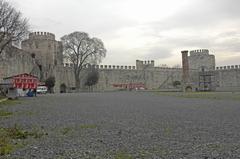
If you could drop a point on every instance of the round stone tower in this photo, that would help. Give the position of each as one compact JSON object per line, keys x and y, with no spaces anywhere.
{"x":201,"y":60}
{"x":46,"y":50}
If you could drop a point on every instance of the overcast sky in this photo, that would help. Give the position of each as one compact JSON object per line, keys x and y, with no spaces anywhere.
{"x":144,"y":29}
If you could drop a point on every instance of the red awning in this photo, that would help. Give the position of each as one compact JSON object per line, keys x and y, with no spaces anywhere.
{"x":23,"y":81}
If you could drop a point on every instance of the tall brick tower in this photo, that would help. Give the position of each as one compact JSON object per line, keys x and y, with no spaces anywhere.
{"x":185,"y":67}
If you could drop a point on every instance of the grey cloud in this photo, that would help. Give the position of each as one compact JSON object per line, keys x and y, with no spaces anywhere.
{"x":219,"y":43}
{"x":230,"y":61}
{"x":227,"y":34}
{"x":158,"y":53}
{"x":202,"y":14}
{"x":227,"y":41}
{"x":198,"y":42}
{"x":228,"y":45}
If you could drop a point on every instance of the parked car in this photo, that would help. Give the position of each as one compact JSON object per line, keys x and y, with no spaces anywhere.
{"x":42,"y":89}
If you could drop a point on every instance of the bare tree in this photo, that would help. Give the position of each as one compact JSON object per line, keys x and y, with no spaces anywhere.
{"x":13,"y":27}
{"x":82,"y":50}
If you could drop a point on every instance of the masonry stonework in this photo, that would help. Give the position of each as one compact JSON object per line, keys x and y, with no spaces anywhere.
{"x":42,"y":56}
{"x":47,"y":51}
{"x":201,"y":60}
{"x":14,"y":61}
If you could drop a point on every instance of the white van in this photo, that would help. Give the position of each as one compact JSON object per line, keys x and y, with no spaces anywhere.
{"x":41,"y":89}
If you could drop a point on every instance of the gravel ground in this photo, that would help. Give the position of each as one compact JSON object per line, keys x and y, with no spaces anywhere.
{"x":126,"y":125}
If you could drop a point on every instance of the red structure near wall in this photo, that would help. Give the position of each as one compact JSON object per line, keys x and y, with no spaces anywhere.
{"x":130,"y":86}
{"x":22,"y":81}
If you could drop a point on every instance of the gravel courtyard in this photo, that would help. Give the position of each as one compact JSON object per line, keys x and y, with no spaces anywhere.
{"x":125,"y":125}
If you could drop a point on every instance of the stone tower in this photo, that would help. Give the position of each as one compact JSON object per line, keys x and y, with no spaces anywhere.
{"x":201,"y":60}
{"x":47,"y":51}
{"x":185,"y":66}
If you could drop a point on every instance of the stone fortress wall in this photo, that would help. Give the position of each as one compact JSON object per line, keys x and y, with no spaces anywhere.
{"x":48,"y":55}
{"x":15,"y":61}
{"x":144,"y":72}
{"x":228,"y":78}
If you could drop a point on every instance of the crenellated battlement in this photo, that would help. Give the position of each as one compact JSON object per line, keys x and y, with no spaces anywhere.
{"x":121,"y":67}
{"x":144,"y":64}
{"x":42,"y":36}
{"x":228,"y":67}
{"x":199,"y":52}
{"x":114,"y":67}
{"x":167,"y":68}
{"x":107,"y":67}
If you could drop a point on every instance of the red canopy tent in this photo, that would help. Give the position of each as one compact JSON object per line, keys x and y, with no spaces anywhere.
{"x":22,"y":81}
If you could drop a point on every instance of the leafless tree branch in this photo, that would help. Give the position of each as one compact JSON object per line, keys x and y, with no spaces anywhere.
{"x":13,"y":27}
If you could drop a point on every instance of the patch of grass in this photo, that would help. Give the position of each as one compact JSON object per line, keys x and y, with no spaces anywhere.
{"x":168,"y":131}
{"x":16,"y":132}
{"x":66,"y":130}
{"x":5,"y":146}
{"x":37,"y":133}
{"x":123,"y":155}
{"x":11,"y":138}
{"x":10,"y":102}
{"x":2,"y":97}
{"x":88,"y":126}
{"x":5,"y":113}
